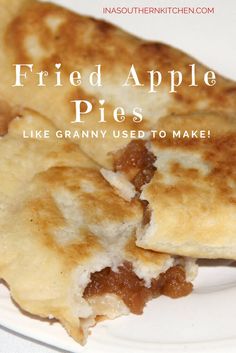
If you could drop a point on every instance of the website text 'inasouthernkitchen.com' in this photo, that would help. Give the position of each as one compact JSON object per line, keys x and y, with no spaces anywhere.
{"x":169,"y":10}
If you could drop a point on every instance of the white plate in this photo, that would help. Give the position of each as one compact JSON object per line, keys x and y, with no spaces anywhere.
{"x":203,"y":321}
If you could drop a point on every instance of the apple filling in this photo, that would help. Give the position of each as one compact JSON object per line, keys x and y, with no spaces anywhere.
{"x":136,"y":162}
{"x":132,"y":290}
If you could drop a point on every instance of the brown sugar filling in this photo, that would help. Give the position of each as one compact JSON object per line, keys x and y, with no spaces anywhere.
{"x":136,"y":162}
{"x":132,"y":290}
{"x":146,"y":213}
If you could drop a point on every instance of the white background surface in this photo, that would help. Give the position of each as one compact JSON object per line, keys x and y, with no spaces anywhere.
{"x":209,"y":38}
{"x":13,"y":343}
{"x":212,"y":40}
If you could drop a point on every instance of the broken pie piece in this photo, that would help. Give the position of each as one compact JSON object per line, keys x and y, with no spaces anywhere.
{"x":67,"y":239}
{"x":192,"y":196}
{"x":66,"y":255}
{"x":190,"y":202}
